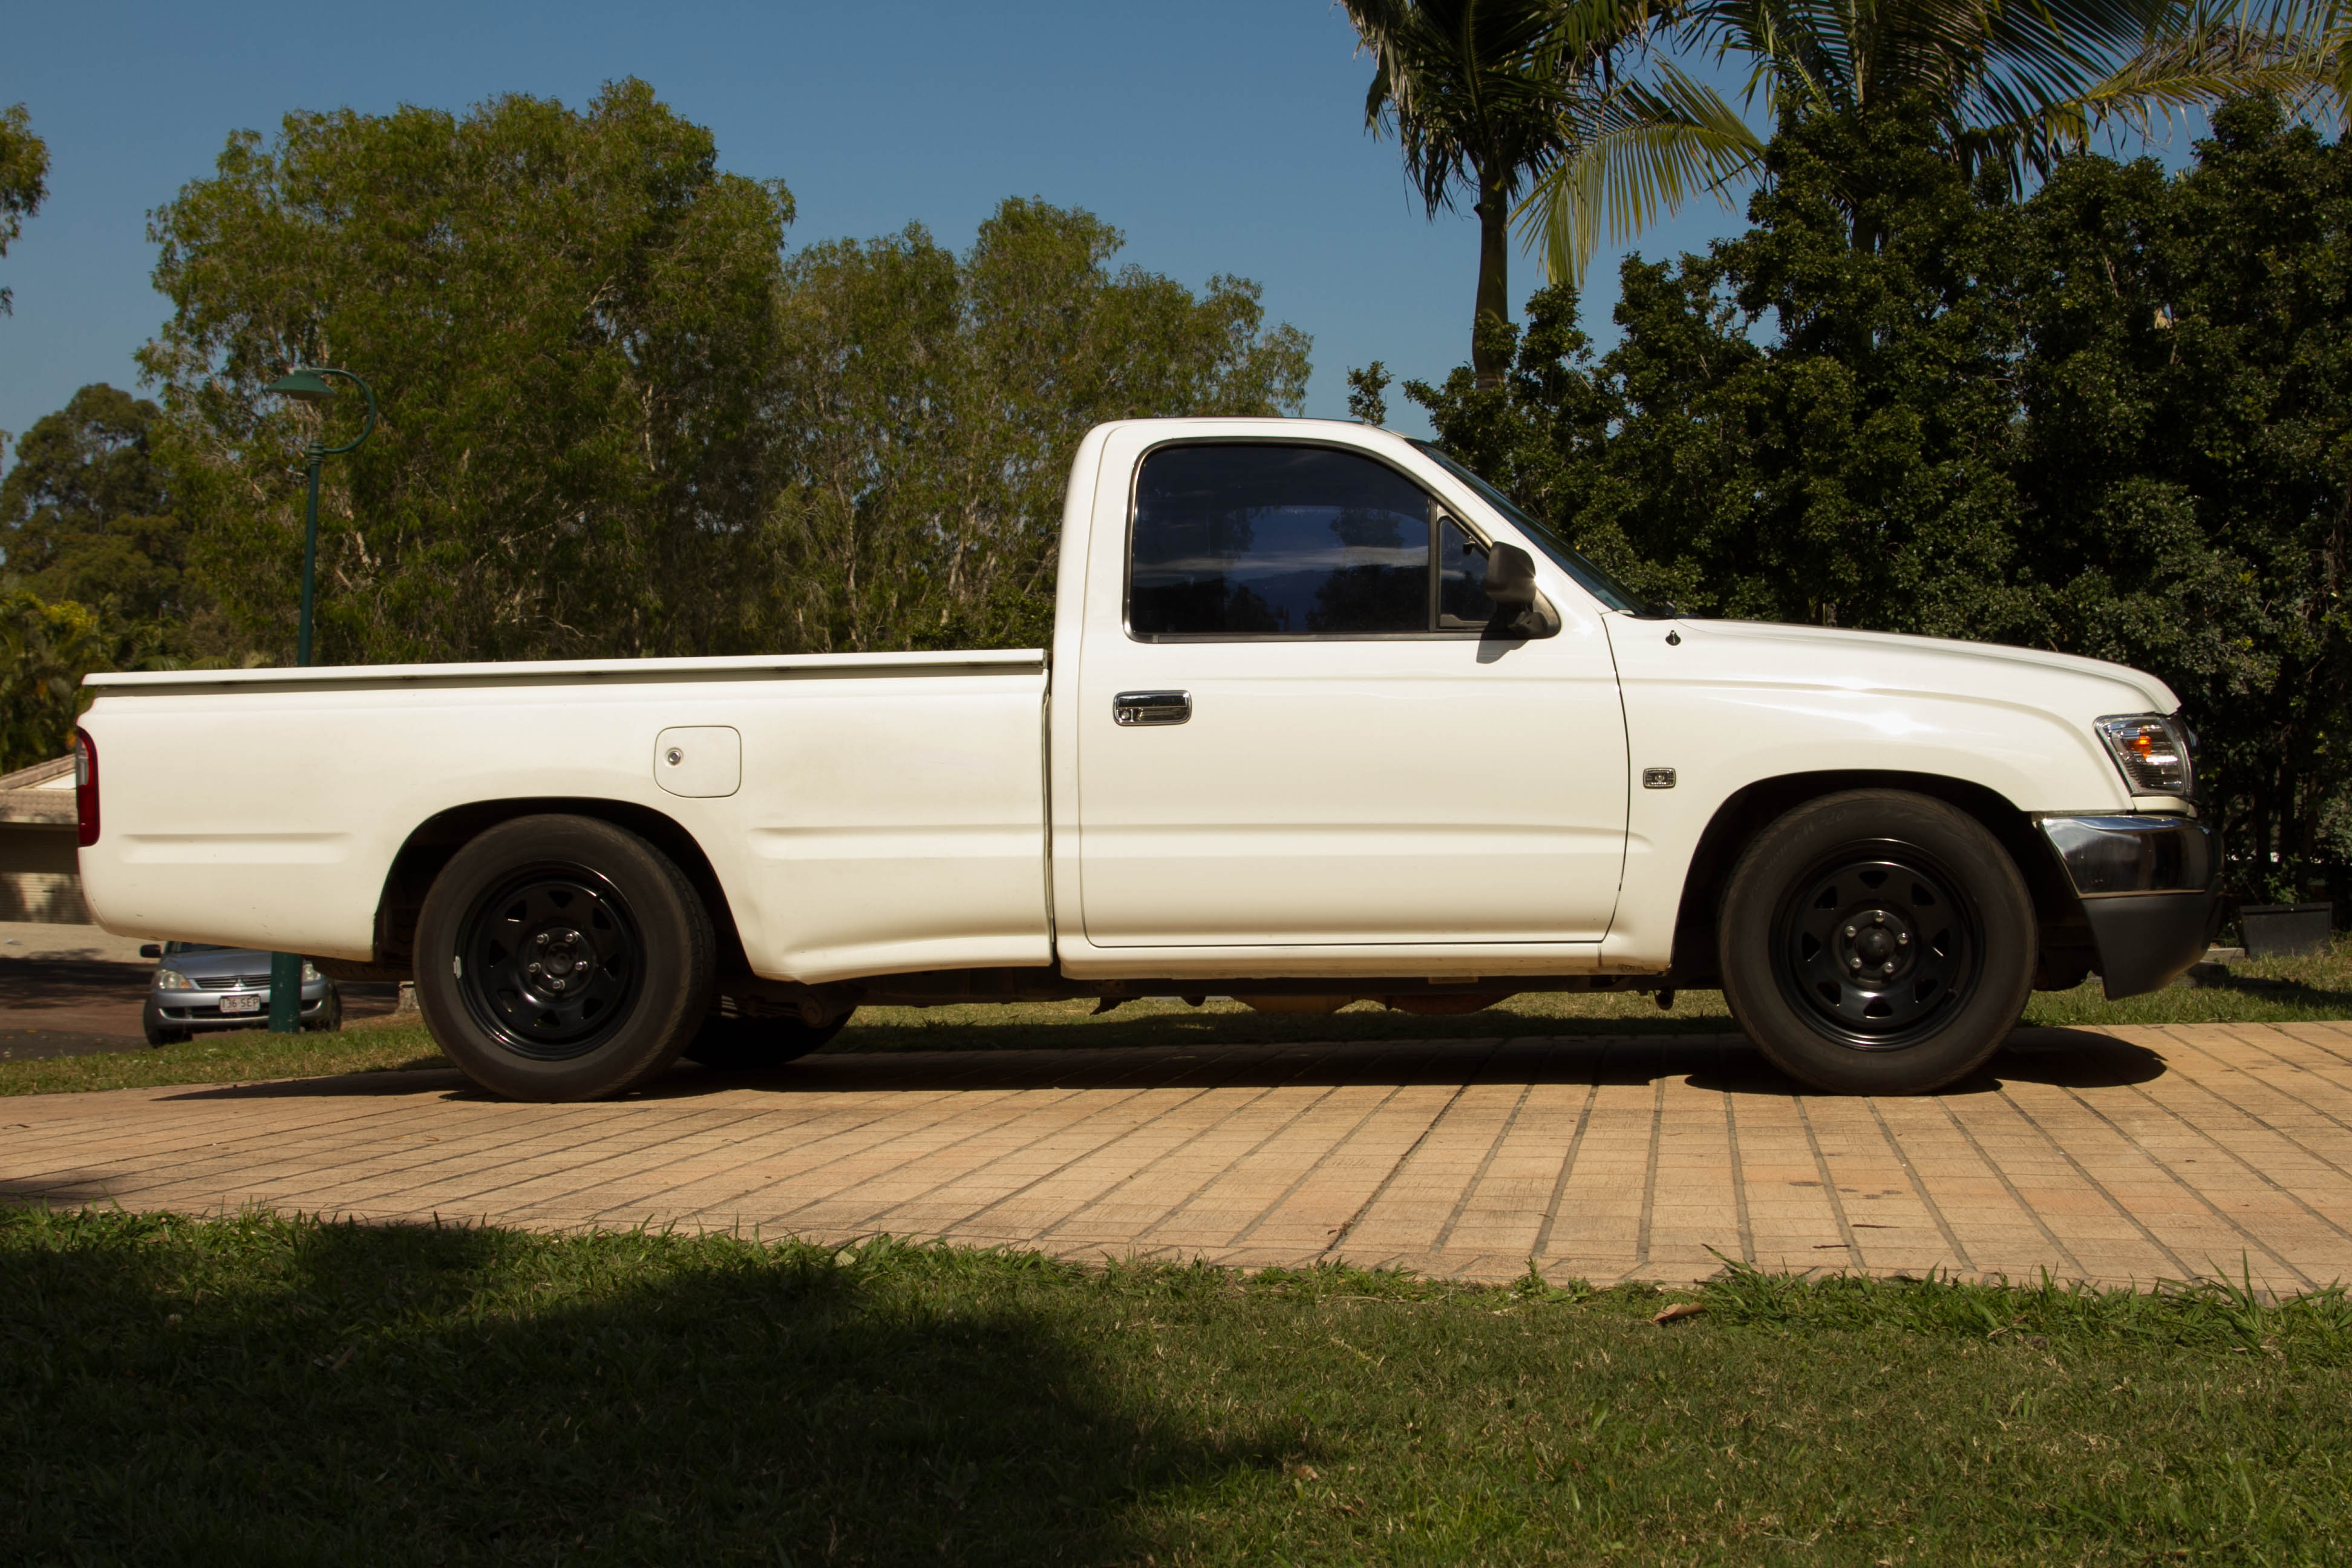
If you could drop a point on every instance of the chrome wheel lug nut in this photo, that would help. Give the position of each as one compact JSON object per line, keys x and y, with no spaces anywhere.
{"x":1903,"y":938}
{"x":1849,"y":931}
{"x":1854,"y":963}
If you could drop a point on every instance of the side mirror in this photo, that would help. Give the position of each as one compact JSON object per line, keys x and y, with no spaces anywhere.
{"x":151,"y":950}
{"x":1510,"y":577}
{"x":1520,"y":612}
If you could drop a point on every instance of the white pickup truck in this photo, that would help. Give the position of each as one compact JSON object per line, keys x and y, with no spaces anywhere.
{"x":1325,"y":718}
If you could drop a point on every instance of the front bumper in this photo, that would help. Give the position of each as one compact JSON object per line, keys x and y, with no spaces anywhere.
{"x":2150,"y":890}
{"x":210,"y":1009}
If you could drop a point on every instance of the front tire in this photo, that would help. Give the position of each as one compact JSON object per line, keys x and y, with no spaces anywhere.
{"x":1876,"y":943}
{"x":330,"y":1018}
{"x":561,"y":958}
{"x":159,"y":1033}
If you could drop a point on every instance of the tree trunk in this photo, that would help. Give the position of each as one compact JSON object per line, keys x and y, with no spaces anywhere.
{"x":1489,"y":355}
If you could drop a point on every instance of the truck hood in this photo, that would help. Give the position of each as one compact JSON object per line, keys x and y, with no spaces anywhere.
{"x":1830,"y":656}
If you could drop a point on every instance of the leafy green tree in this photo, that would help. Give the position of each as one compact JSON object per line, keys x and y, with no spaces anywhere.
{"x":2006,"y":87}
{"x":2188,"y":467}
{"x":2113,"y":420}
{"x":45,"y":650}
{"x":24,"y":181}
{"x":1793,"y":427}
{"x":928,"y":407}
{"x":570,"y":319}
{"x":89,"y":515}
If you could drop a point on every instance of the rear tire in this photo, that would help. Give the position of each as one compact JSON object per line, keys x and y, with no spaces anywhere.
{"x":560,"y":957}
{"x":1876,"y":943}
{"x":754,"y":1045}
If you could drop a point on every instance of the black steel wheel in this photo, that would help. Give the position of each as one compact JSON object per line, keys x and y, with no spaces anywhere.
{"x":1876,"y":945}
{"x":562,"y":957}
{"x":1877,"y":941}
{"x":548,"y":962}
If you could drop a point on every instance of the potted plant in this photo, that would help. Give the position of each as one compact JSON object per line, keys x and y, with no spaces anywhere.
{"x":2283,"y":927}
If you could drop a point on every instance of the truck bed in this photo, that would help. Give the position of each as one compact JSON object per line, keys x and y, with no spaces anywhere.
{"x":269,"y":807}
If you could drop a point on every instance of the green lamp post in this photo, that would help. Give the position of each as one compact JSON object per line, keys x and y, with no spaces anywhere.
{"x":309,"y":384}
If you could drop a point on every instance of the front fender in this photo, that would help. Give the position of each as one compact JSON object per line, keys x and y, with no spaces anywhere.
{"x":1726,"y":711}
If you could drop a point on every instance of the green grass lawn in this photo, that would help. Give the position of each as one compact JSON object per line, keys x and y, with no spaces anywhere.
{"x":262,"y":1391}
{"x":2275,"y":991}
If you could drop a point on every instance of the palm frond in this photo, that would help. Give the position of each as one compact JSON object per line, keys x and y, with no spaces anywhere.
{"x":1650,"y":147}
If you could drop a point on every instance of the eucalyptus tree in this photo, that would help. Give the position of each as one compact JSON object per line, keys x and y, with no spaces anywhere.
{"x":569,"y":319}
{"x":24,"y":179}
{"x":2003,"y":85}
{"x":927,"y":406}
{"x":1484,"y":95}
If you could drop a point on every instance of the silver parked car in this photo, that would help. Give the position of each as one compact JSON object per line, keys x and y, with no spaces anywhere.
{"x":200,"y":988}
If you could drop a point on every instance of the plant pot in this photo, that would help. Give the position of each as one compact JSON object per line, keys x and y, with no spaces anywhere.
{"x":2285,"y":931}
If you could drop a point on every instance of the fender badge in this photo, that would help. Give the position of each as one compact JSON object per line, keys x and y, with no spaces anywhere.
{"x":1657,"y":778}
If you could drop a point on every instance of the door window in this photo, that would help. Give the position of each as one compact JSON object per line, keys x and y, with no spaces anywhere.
{"x":1267,"y":540}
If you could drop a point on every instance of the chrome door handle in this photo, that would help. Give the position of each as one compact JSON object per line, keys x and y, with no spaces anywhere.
{"x":1152,"y":708}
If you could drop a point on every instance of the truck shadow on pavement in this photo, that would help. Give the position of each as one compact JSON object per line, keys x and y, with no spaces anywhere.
{"x":2069,"y":1058}
{"x":297,"y":1392}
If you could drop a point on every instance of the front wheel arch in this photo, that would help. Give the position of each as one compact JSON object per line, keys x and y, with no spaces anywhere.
{"x":1750,"y":809}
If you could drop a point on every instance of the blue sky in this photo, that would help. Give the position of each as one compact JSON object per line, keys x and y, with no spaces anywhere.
{"x":1220,"y":137}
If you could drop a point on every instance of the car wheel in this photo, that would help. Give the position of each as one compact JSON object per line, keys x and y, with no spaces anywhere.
{"x":1876,"y":943}
{"x":159,"y":1033}
{"x":562,"y":958}
{"x":330,"y":1017}
{"x":749,"y":1045}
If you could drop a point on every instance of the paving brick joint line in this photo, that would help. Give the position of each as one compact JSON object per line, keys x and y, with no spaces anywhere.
{"x":2116,"y":1156}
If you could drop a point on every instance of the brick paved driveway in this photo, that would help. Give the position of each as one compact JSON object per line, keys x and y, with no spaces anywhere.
{"x":2122,"y":1155}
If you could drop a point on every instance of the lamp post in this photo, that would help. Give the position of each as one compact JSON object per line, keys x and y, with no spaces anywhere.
{"x":307,"y":384}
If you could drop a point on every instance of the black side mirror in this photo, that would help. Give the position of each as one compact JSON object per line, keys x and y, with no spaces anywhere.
{"x":1510,"y":577}
{"x":151,"y":950}
{"x":1519,"y":611}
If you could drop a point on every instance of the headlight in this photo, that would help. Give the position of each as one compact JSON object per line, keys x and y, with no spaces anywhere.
{"x":172,"y":980}
{"x":2152,"y":749}
{"x":310,"y":972}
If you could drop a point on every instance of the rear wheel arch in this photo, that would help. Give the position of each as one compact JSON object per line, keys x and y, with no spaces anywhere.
{"x":434,"y":841}
{"x":1750,"y":809}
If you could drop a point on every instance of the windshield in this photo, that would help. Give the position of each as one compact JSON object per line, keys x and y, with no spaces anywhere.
{"x":1596,"y":582}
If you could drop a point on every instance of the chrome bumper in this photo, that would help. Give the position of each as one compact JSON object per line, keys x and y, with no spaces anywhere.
{"x":2150,"y":890}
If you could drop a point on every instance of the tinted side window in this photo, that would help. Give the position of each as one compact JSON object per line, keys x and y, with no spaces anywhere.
{"x":1257,"y":541}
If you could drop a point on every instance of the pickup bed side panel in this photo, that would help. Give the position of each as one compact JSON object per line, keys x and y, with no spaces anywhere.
{"x":886,"y":820}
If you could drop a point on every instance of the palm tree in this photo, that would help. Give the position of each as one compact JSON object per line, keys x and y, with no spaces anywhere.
{"x":1482,"y":95}
{"x":2011,"y":82}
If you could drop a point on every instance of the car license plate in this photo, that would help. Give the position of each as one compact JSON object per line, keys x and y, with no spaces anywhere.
{"x":243,"y":1002}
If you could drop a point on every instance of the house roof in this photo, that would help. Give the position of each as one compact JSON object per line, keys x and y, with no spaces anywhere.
{"x":54,"y":774}
{"x":40,"y":796}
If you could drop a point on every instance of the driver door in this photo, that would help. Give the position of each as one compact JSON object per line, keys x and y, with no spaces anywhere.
{"x":1295,"y":731}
